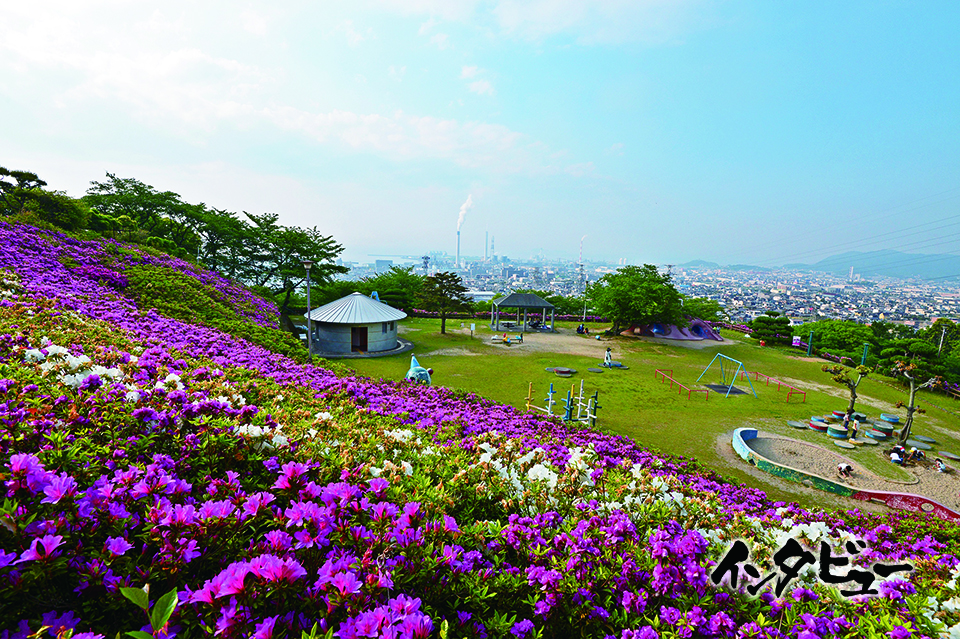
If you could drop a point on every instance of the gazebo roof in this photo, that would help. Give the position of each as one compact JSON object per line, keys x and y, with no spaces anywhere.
{"x":522,"y":300}
{"x":356,"y":308}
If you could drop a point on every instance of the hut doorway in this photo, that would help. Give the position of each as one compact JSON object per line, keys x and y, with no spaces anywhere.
{"x":358,"y":338}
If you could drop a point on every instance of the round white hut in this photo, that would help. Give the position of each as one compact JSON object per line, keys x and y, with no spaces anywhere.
{"x":354,"y":324}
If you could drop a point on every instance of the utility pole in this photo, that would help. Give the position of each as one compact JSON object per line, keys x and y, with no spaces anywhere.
{"x":306,"y":266}
{"x":942,"y":335}
{"x":583,"y":280}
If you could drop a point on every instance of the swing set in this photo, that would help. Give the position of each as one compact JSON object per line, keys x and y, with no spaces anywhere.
{"x":723,"y":372}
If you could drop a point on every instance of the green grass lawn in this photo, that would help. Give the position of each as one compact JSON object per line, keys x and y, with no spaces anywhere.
{"x":636,"y":404}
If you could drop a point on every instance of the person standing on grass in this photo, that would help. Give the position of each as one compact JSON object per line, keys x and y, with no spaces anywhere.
{"x":608,"y":358}
{"x":854,"y":429}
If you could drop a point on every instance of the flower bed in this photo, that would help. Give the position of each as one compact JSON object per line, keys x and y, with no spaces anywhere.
{"x":274,"y":498}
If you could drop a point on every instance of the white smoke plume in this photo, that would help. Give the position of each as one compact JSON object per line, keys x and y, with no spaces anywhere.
{"x":463,"y":211}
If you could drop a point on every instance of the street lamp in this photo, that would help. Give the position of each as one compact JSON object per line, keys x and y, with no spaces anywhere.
{"x":306,"y":265}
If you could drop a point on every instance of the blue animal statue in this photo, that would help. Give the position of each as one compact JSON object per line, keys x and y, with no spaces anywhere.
{"x":418,"y":373}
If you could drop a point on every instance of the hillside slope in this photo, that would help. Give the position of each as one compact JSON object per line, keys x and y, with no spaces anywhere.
{"x":276,"y":498}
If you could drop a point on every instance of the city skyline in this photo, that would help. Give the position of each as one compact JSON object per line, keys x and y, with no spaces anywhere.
{"x":734,"y":132}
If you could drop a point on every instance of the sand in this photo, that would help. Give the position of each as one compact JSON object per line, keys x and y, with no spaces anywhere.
{"x":943,"y":488}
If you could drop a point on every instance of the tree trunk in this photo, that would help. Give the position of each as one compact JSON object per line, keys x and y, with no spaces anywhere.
{"x":853,"y":399}
{"x":443,"y":322}
{"x":284,"y":308}
{"x":911,"y":409}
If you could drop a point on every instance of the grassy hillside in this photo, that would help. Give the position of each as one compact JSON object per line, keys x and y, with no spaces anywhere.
{"x":152,"y":462}
{"x":638,"y":404}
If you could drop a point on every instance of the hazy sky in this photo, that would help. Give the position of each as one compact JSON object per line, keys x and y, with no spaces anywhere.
{"x":739,"y":132}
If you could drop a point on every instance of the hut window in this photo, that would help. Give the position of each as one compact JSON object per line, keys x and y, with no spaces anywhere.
{"x":385,"y":327}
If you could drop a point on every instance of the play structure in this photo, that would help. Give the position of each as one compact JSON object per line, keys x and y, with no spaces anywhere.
{"x":726,"y":364}
{"x":418,"y":373}
{"x":696,"y":330}
{"x":780,"y":385}
{"x":578,"y":407}
{"x":666,"y":374}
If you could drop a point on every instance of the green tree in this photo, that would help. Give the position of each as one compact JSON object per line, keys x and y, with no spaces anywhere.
{"x":636,"y":295}
{"x":55,"y":207}
{"x":841,"y":375}
{"x":839,"y":337}
{"x":276,"y":260}
{"x":772,"y":328}
{"x":917,"y":378}
{"x":703,"y":308}
{"x":444,"y":293}
{"x":399,"y":287}
{"x":15,"y":187}
{"x":563,"y":304}
{"x":160,"y":219}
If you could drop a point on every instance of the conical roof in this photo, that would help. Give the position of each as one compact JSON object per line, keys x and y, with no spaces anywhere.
{"x":356,"y":308}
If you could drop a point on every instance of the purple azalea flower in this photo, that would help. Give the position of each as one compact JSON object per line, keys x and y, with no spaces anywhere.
{"x":60,"y":486}
{"x":117,"y":546}
{"x":522,"y":628}
{"x":49,"y":542}
{"x":264,"y":629}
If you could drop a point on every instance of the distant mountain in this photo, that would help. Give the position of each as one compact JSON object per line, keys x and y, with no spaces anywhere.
{"x":890,"y":263}
{"x":745,"y":267}
{"x":699,"y":264}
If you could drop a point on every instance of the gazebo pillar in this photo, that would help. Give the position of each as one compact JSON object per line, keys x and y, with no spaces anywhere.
{"x":524,"y":325}
{"x":552,"y":315}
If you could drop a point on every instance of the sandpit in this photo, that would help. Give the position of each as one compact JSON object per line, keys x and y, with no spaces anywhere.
{"x":819,"y":460}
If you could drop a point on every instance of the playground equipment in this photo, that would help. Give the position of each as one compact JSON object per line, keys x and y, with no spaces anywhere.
{"x":781,"y":385}
{"x":577,"y":407}
{"x":667,"y":374}
{"x":723,"y":372}
{"x":418,"y":373}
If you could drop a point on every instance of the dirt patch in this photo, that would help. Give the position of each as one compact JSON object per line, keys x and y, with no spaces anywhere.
{"x":692,"y":344}
{"x":450,"y":351}
{"x":561,"y":342}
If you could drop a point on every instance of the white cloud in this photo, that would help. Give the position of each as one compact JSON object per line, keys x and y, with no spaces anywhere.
{"x":253,"y":22}
{"x":615,"y":149}
{"x":426,"y":26}
{"x":588,"y":21}
{"x":481,"y":87}
{"x":354,"y":37}
{"x":441,"y":40}
{"x":397,"y":73}
{"x":478,"y":86}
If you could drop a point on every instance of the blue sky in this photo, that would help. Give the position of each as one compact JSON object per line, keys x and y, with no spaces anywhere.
{"x":664,"y":131}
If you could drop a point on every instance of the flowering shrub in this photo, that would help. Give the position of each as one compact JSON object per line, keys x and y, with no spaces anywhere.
{"x":139,"y":451}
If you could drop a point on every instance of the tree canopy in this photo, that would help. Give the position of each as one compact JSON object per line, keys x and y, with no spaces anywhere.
{"x":839,"y":337}
{"x":772,"y":328}
{"x":444,"y":293}
{"x":636,"y":295}
{"x":703,"y":308}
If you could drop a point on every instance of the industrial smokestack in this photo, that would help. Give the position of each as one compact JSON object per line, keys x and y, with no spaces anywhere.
{"x":463,"y":213}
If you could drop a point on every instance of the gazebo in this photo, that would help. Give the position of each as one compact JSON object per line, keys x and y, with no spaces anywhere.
{"x":354,"y":324}
{"x":521,"y":302}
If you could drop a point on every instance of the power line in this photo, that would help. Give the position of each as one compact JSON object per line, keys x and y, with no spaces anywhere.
{"x":836,"y":229}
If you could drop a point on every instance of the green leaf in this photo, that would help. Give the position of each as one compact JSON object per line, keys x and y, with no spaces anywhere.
{"x":163,"y":609}
{"x":137,"y":596}
{"x":140,"y":634}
